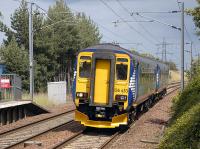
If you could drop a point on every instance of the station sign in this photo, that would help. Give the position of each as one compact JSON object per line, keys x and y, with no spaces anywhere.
{"x":5,"y":83}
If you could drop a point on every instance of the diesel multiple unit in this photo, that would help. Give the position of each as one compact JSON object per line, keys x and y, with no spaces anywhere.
{"x":111,"y":85}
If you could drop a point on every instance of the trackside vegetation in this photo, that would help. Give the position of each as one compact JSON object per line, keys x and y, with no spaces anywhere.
{"x":184,"y":128}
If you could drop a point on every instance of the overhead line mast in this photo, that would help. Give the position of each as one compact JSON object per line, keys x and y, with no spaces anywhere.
{"x":31,"y":63}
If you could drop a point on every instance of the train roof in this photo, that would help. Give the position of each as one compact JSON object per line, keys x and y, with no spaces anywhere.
{"x":117,"y":49}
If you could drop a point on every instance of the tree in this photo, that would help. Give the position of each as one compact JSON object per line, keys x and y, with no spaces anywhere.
{"x":56,"y":40}
{"x":149,"y":56}
{"x":196,"y":16}
{"x":16,"y":60}
{"x":172,"y":65}
{"x":88,"y":31}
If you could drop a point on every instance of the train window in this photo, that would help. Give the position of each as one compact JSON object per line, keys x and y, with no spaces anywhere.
{"x":122,"y":60}
{"x":84,"y":69}
{"x":121,"y":71}
{"x":85,"y":57}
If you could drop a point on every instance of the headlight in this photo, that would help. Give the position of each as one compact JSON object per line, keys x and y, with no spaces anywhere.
{"x":120,"y":97}
{"x":81,"y":95}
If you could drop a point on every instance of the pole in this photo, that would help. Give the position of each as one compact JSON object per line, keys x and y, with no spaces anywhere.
{"x":165,"y":52}
{"x":31,"y":52}
{"x":191,"y":58}
{"x":163,"y":49}
{"x":182,"y":46}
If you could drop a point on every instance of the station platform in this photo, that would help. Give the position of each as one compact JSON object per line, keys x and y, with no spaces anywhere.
{"x":12,"y":111}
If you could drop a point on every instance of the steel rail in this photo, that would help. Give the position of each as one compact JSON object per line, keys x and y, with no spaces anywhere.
{"x":23,"y":130}
{"x":35,"y":122}
{"x":105,"y":144}
{"x":117,"y":133}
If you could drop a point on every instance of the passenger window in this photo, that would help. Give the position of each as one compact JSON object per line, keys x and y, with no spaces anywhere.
{"x":122,"y":60}
{"x":84,"y":69}
{"x":85,"y":57}
{"x":121,"y":71}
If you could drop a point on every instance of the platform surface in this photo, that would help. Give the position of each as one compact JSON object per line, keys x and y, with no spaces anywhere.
{"x":13,"y":103}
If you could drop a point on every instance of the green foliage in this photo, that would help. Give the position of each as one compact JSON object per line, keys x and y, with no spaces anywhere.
{"x":89,"y":33}
{"x":185,"y":133}
{"x":172,"y":65}
{"x":149,"y":56}
{"x":196,"y":16}
{"x":16,"y":60}
{"x":56,"y":40}
{"x":184,"y":130}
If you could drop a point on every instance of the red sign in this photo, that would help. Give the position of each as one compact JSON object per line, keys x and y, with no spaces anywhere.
{"x":5,"y":83}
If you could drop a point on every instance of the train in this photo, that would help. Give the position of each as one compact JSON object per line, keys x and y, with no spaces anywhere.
{"x":112,"y":85}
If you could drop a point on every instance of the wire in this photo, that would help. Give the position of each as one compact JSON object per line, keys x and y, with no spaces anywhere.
{"x":150,"y":34}
{"x":130,"y":43}
{"x":131,"y":27}
{"x":46,"y":13}
{"x":159,"y":11}
{"x":108,"y":30}
{"x":155,"y":20}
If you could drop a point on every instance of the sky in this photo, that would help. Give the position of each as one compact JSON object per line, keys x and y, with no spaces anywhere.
{"x":144,"y":36}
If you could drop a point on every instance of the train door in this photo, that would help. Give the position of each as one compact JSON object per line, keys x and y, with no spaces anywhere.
{"x":102,"y":82}
{"x":102,"y":79}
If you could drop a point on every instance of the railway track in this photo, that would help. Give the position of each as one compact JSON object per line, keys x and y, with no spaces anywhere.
{"x":98,"y":139}
{"x":89,"y":138}
{"x":16,"y":136}
{"x":21,"y":134}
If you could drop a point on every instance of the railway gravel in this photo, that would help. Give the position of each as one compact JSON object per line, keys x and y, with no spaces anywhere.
{"x":55,"y":136}
{"x":53,"y":111}
{"x":33,"y":130}
{"x":148,"y":129}
{"x":90,"y":139}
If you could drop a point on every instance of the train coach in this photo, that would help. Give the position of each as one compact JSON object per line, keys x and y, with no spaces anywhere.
{"x":112,"y":85}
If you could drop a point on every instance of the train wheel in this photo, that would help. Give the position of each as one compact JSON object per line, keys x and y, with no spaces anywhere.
{"x":147,"y":105}
{"x":132,"y":115}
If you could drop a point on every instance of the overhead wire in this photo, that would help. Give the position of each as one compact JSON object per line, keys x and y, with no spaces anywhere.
{"x":105,"y":28}
{"x":150,"y":34}
{"x":122,"y":19}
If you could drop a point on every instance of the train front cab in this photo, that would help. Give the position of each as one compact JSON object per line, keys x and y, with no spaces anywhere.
{"x":102,"y":89}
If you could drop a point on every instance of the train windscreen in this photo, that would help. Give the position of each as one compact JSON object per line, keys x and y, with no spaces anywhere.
{"x":121,"y":71}
{"x":85,"y":67}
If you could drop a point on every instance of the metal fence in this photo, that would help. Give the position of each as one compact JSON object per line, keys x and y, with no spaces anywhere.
{"x":10,"y":87}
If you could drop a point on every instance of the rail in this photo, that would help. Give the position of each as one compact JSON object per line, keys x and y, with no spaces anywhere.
{"x":18,"y":135}
{"x":77,"y":140}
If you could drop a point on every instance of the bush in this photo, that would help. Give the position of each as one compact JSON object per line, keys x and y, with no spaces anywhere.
{"x":184,"y":128}
{"x":189,"y":97}
{"x":185,"y":132}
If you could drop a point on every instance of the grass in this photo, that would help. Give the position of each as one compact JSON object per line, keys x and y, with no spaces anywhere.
{"x":175,"y":76}
{"x":40,"y":99}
